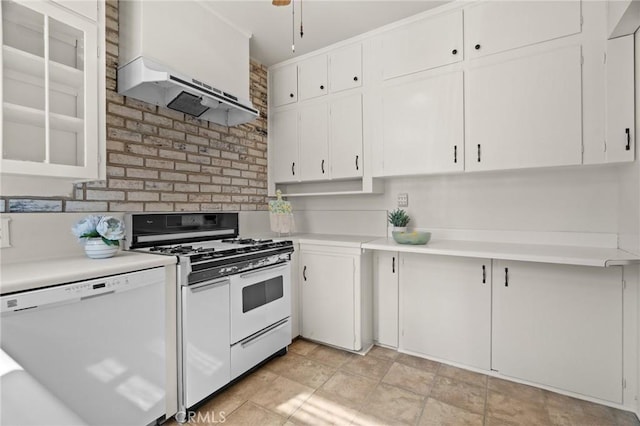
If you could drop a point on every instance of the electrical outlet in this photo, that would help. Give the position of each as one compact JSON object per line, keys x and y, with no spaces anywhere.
{"x":403,"y":200}
{"x":5,"y":240}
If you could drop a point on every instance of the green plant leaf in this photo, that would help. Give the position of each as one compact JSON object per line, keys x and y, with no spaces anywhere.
{"x":110,"y":242}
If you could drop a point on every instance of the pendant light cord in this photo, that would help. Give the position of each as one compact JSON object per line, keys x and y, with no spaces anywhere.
{"x":293,"y":26}
{"x":301,"y":30}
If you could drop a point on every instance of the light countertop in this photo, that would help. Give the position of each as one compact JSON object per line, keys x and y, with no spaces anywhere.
{"x":20,"y":276}
{"x":567,"y":255}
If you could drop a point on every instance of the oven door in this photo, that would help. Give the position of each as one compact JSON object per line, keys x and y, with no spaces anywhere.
{"x":259,"y":298}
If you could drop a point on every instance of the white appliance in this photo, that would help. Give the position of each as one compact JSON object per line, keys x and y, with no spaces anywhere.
{"x":182,"y":55}
{"x":234,"y":296}
{"x":98,"y":346}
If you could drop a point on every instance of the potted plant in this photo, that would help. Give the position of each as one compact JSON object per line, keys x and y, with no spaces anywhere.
{"x":101,"y":235}
{"x":399,"y":219}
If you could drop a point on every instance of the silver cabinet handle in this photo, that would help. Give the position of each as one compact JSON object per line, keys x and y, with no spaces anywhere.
{"x":208,"y":285}
{"x":304,"y":272}
{"x":484,"y":274}
{"x":258,"y":271}
{"x":265,"y":333}
{"x":506,"y":277}
{"x":393,"y":265}
{"x":357,"y":167}
{"x":322,"y":166}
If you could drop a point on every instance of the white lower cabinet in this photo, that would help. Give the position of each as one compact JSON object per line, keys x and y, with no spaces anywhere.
{"x":560,"y":326}
{"x":445,"y":308}
{"x":335,"y":299}
{"x":385,"y":298}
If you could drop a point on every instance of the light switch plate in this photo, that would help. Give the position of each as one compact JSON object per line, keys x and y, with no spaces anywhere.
{"x":403,"y":200}
{"x":5,"y":240}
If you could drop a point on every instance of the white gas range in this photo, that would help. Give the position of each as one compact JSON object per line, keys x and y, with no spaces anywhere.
{"x":234,"y":296}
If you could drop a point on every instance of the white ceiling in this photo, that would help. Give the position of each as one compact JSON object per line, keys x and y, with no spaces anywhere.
{"x":325,"y":22}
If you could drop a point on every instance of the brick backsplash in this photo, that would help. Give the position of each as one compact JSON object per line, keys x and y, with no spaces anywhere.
{"x":162,"y":160}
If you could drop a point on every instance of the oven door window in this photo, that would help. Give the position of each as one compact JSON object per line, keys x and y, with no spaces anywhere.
{"x":262,"y":293}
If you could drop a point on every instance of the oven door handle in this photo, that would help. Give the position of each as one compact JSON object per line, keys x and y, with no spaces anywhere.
{"x":254,"y":339}
{"x":207,"y":285}
{"x":258,"y":271}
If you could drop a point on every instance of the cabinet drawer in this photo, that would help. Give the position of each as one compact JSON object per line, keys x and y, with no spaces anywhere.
{"x":422,"y":45}
{"x":492,"y":27}
{"x":255,"y":349}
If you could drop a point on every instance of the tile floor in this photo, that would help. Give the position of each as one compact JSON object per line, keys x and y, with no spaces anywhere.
{"x":318,"y":385}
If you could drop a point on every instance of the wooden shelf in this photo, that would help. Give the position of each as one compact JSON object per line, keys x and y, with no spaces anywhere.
{"x":33,"y":65}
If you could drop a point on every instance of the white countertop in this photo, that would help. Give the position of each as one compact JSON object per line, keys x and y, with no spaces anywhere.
{"x":567,"y":255}
{"x":20,"y":276}
{"x":333,"y":240}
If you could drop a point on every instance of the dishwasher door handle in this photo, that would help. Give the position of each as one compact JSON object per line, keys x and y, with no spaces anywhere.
{"x":255,"y":339}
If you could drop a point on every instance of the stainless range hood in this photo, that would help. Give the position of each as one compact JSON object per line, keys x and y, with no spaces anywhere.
{"x":154,"y":83}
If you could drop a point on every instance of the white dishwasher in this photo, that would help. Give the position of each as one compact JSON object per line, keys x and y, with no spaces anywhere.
{"x":97,"y":345}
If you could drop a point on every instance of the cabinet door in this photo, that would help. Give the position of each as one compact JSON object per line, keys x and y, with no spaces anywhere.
{"x":284,"y":85}
{"x":345,"y":118}
{"x":620,"y":100}
{"x":422,"y":45}
{"x":88,"y":8}
{"x":50,"y":98}
{"x":327,"y":290}
{"x":284,"y":143}
{"x":345,"y":67}
{"x":445,"y":308}
{"x":385,"y":298}
{"x":312,"y":74}
{"x":525,"y":112}
{"x":314,"y":142}
{"x":493,"y":27}
{"x":560,"y":326}
{"x":422,"y":126}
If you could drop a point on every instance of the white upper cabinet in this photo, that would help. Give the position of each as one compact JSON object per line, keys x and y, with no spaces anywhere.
{"x":51,"y":100}
{"x":345,"y":121}
{"x":283,"y":158}
{"x":87,"y":8}
{"x":422,"y":45}
{"x":345,"y":68}
{"x":620,"y":129}
{"x":312,"y":77}
{"x":525,"y":112}
{"x":284,"y":85}
{"x":422,"y":126}
{"x":497,"y":26}
{"x":314,"y":142}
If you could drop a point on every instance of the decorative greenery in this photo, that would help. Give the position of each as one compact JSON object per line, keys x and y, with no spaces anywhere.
{"x":399,"y":217}
{"x":109,"y":228}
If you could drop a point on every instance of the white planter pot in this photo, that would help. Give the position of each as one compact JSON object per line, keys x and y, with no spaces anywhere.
{"x":95,"y":248}
{"x":399,"y":229}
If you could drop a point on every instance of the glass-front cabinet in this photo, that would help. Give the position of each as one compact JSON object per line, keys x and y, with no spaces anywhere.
{"x":50,"y":91}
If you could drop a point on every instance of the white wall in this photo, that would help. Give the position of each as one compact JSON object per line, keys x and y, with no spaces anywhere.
{"x":578,"y":199}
